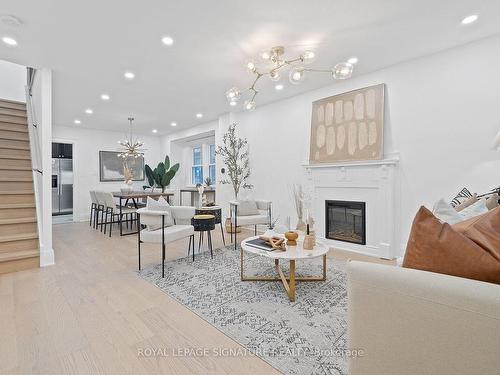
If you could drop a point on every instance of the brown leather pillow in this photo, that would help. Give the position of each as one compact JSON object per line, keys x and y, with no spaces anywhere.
{"x":438,"y":247}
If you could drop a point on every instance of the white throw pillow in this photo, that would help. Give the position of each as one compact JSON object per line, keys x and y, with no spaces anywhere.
{"x":446,"y":213}
{"x":154,"y":222}
{"x":247,"y":208}
{"x":476,"y":209}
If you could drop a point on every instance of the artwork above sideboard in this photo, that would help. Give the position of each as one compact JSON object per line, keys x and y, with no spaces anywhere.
{"x":348,"y":126}
{"x":111,"y":167}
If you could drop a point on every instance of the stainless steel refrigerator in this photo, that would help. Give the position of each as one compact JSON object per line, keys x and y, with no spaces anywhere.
{"x":62,"y":186}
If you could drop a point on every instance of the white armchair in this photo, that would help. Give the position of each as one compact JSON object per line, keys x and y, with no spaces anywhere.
{"x":182,"y":228}
{"x":261,"y":217}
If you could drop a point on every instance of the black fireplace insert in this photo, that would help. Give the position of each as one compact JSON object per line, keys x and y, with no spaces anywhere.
{"x":345,"y":221}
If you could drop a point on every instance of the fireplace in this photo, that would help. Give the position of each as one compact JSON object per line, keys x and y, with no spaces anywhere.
{"x":345,"y":221}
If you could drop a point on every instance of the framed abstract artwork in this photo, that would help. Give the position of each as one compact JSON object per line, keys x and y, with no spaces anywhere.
{"x":348,"y":126}
{"x":111,"y":167}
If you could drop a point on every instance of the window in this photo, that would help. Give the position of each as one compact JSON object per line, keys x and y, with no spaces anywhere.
{"x":203,"y":164}
{"x":197,"y":169}
{"x":211,"y":166}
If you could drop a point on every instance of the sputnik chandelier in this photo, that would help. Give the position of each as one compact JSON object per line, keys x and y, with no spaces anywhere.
{"x":132,"y":148}
{"x":296,"y":74}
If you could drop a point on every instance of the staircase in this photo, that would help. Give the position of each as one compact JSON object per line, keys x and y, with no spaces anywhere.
{"x":19,"y":246}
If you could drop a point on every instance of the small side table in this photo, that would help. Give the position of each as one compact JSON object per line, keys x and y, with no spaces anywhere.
{"x":217,"y":212}
{"x":202,"y":224}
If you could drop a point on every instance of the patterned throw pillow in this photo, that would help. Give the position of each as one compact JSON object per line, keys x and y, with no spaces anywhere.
{"x":154,"y":222}
{"x":462,"y":196}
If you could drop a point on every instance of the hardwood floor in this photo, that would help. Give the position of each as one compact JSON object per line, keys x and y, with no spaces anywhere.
{"x":91,"y":314}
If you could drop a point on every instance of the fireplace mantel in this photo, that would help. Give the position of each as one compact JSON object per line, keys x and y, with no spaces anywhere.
{"x":375,"y":182}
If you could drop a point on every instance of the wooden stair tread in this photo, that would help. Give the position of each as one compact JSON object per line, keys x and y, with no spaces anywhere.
{"x":8,"y":206}
{"x":13,"y":105}
{"x":20,"y":220}
{"x":16,"y":192}
{"x":15,"y":157}
{"x":16,"y":179}
{"x":19,"y":237}
{"x":13,"y":112}
{"x":19,"y":128}
{"x":13,"y":147}
{"x":15,"y":255}
{"x":14,"y":168}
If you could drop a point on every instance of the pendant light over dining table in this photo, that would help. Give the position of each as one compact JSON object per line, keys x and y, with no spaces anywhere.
{"x":131,"y":148}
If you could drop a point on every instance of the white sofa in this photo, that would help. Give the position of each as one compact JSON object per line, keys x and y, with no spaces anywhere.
{"x":415,"y":322}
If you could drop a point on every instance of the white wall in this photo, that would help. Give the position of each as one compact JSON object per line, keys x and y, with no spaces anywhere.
{"x":441,"y":116}
{"x":87,"y":144}
{"x":12,"y":81}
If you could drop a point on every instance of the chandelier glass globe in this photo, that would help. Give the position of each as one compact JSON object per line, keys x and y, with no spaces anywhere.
{"x":250,"y":105}
{"x":342,"y":70}
{"x":307,"y":57}
{"x":296,"y":75}
{"x":233,"y":94}
{"x":274,"y":75}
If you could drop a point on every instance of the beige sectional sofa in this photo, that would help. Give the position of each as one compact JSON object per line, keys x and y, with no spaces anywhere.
{"x":415,"y":322}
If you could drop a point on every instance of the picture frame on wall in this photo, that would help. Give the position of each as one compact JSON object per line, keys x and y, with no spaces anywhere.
{"x":111,"y":167}
{"x":348,"y":126}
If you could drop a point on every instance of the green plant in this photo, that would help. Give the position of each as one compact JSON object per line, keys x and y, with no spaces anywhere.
{"x":235,"y":156}
{"x":162,"y":175}
{"x":208,"y":181}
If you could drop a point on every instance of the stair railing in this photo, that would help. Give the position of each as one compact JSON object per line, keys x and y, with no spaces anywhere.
{"x":36,"y":159}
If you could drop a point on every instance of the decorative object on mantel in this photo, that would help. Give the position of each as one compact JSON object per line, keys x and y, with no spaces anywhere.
{"x":308,"y":240}
{"x":161,"y":176}
{"x":348,"y":126}
{"x":112,"y":167}
{"x":275,"y":60}
{"x":291,"y":238}
{"x":298,"y":199}
{"x":235,"y":156}
{"x":131,"y":148}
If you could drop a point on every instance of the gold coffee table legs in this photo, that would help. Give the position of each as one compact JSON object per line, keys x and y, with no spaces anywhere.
{"x":288,"y":282}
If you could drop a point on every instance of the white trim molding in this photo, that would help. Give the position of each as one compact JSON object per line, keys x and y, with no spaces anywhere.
{"x":374,"y":182}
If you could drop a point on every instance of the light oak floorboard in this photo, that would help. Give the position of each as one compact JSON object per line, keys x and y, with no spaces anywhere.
{"x":92,"y":314}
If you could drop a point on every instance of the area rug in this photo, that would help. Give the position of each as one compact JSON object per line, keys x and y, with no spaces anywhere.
{"x":303,"y":337}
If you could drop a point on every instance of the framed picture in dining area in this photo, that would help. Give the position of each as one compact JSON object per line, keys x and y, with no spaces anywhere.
{"x":111,"y":167}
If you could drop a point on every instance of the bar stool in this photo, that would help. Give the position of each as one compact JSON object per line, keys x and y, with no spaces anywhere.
{"x":202,"y":224}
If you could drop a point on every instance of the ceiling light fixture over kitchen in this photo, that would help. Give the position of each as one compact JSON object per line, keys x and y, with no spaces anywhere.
{"x":275,"y":60}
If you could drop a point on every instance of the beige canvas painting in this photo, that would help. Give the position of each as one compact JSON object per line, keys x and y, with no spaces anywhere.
{"x":348,"y":126}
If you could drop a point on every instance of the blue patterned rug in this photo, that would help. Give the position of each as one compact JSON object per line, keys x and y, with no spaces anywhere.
{"x":308,"y":336}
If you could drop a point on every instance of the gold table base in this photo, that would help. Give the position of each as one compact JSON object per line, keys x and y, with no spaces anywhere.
{"x":288,"y":281}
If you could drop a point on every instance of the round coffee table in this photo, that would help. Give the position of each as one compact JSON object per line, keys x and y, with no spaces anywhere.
{"x":292,"y":254}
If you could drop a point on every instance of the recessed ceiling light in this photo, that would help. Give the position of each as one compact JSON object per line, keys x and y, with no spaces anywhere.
{"x":105,"y":97}
{"x":129,"y":75}
{"x":77,"y":121}
{"x":9,"y":41}
{"x":279,"y":87}
{"x":470,"y":19}
{"x":352,"y":60}
{"x":167,"y":40}
{"x":154,"y":131}
{"x":173,"y":124}
{"x":199,"y":115}
{"x":89,"y":111}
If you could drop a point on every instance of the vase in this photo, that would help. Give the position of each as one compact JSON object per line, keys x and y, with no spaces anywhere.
{"x":301,"y":225}
{"x":228,"y":227}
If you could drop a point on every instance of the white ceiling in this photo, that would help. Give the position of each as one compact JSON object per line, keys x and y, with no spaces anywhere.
{"x":89,"y":44}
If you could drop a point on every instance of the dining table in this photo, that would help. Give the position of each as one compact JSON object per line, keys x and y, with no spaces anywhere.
{"x":134,"y":196}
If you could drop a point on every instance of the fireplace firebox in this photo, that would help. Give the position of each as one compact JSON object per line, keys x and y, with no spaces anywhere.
{"x":345,"y":221}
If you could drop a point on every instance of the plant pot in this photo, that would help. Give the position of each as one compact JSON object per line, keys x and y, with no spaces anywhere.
{"x":228,"y":227}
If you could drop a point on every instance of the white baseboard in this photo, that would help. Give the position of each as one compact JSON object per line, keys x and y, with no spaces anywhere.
{"x":47,"y":257}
